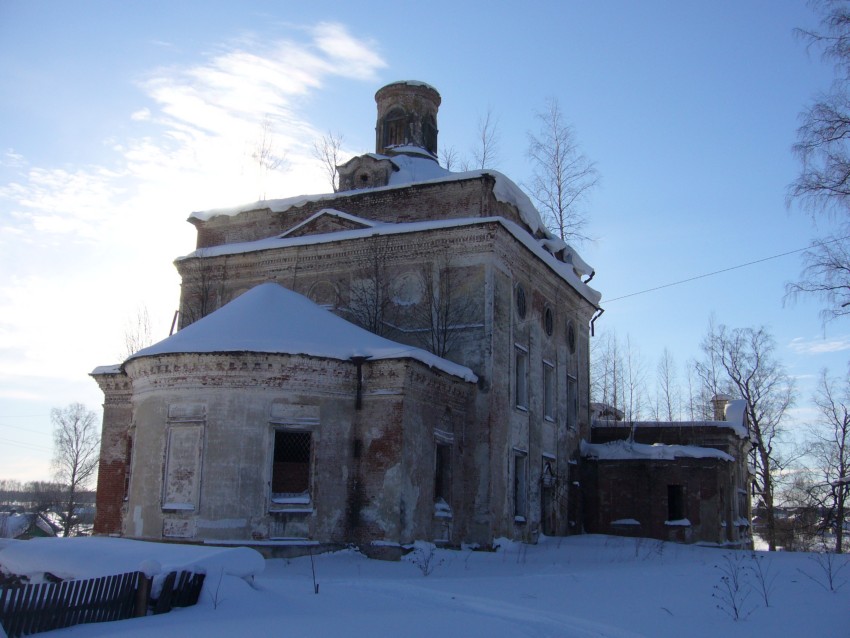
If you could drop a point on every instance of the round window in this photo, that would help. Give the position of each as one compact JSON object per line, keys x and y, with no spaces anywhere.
{"x":571,"y":337}
{"x":548,"y":322}
{"x":520,"y":301}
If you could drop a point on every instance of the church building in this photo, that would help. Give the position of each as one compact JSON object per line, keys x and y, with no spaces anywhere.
{"x":406,"y":358}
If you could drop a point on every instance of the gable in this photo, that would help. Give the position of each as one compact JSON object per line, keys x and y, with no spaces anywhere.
{"x":326,"y":221}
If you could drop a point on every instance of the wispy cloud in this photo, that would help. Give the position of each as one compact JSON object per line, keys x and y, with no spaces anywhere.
{"x":820,"y":346}
{"x":87,"y":243}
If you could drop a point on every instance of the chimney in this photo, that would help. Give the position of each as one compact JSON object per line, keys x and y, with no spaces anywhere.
{"x":720,"y":401}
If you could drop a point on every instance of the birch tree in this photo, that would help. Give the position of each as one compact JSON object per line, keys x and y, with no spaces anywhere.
{"x":76,"y":449}
{"x":563,"y":176}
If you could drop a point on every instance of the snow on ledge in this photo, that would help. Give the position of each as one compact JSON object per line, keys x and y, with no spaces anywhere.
{"x":625,"y":451}
{"x":113,"y":369}
{"x":681,"y":522}
{"x":625,"y":521}
{"x":562,"y":269}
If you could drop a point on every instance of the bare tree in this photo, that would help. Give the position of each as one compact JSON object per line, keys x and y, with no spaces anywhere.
{"x":606,"y":369}
{"x":619,"y":376}
{"x":137,"y":333}
{"x":668,"y":400}
{"x":449,"y":157}
{"x":76,"y":447}
{"x":202,"y":289}
{"x":826,"y":274}
{"x":370,"y":299}
{"x":446,"y":309}
{"x":265,"y":154}
{"x":485,"y":153}
{"x":823,"y":147}
{"x":746,"y":357}
{"x":327,"y":150}
{"x":830,"y":450}
{"x":563,"y":175}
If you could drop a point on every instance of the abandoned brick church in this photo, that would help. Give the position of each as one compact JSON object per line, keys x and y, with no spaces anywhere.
{"x":404,"y":359}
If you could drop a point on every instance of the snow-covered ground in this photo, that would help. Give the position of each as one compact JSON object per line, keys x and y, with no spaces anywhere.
{"x":574,"y":587}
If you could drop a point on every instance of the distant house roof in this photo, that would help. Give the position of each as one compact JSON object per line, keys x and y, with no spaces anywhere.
{"x":272,"y":319}
{"x":24,"y":525}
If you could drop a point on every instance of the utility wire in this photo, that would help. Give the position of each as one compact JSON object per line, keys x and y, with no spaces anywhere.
{"x":717,"y":272}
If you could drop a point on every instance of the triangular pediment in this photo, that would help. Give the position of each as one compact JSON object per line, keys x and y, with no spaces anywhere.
{"x":327,"y":220}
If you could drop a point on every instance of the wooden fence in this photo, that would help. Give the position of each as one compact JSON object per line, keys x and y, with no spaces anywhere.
{"x":30,"y":609}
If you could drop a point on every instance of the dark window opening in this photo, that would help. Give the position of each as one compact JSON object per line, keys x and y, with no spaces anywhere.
{"x":521,"y":378}
{"x":291,"y":469}
{"x":520,"y":488}
{"x":443,"y":473}
{"x":549,"y":392}
{"x":394,"y":128}
{"x":675,"y":502}
{"x":429,"y":134}
{"x":571,"y":337}
{"x":572,"y":402}
{"x":548,"y":322}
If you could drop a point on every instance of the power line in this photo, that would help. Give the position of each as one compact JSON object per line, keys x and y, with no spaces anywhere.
{"x":29,"y":446}
{"x":717,"y":272}
{"x":16,"y":427}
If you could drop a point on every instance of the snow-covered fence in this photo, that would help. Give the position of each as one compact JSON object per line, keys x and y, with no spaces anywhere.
{"x":30,"y":609}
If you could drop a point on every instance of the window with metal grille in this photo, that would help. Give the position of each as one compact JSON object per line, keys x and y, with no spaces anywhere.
{"x":291,"y":465}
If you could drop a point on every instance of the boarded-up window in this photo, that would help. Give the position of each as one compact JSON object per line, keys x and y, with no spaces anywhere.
{"x":291,"y":465}
{"x":182,"y":468}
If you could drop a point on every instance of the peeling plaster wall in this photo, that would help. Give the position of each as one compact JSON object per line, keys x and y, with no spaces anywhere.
{"x":366,"y":468}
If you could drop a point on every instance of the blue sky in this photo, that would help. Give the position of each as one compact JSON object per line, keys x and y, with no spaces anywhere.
{"x":120,"y":119}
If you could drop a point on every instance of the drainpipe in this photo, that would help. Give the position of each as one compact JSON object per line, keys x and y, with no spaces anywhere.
{"x":358,"y":361}
{"x":596,"y":316}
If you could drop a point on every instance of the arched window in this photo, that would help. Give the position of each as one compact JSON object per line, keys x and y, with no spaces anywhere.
{"x":429,"y":133}
{"x":394,"y":127}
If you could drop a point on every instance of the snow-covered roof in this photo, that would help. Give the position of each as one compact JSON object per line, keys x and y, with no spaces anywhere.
{"x":564,"y":270}
{"x":737,"y":428}
{"x":410,"y":83}
{"x":15,"y":524}
{"x":272,"y":319}
{"x":111,"y":369}
{"x":411,"y":170}
{"x":625,"y":450}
